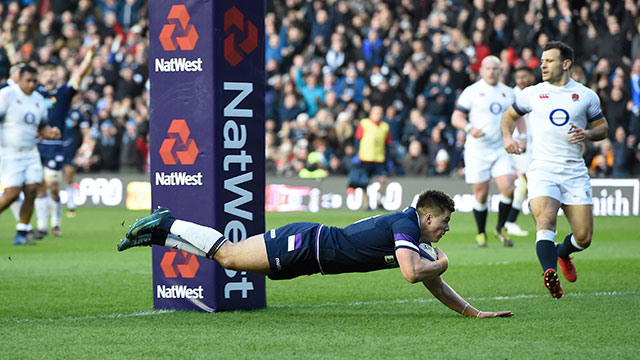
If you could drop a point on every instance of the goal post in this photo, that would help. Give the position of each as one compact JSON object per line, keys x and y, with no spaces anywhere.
{"x":207,"y":142}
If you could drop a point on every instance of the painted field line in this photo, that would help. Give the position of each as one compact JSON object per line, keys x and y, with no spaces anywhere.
{"x":328,"y":304}
{"x":429,"y":300}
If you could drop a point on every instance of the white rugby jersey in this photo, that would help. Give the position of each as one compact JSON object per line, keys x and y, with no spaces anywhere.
{"x":20,"y":116}
{"x":484,"y":105}
{"x":552,"y":111}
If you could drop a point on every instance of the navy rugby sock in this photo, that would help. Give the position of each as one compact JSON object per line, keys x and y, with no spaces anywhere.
{"x":503,"y":213}
{"x":547,"y":254}
{"x":481,"y":219}
{"x":166,"y":222}
{"x":567,"y":247}
{"x":513,"y":215}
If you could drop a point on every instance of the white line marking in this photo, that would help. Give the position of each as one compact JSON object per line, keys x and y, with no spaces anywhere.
{"x":333,"y":304}
{"x":428,"y":300}
{"x":90,"y":317}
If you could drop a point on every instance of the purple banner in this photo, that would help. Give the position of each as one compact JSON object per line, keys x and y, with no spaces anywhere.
{"x":207,"y":142}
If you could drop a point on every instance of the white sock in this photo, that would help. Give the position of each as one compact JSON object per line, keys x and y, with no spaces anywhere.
{"x":56,"y":212}
{"x":22,"y":227}
{"x":15,"y":208}
{"x":42,"y":212}
{"x":178,"y":243}
{"x":202,"y":237}
{"x":71,"y":194}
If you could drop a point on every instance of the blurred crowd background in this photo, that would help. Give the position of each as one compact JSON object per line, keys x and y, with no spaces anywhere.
{"x":328,"y":62}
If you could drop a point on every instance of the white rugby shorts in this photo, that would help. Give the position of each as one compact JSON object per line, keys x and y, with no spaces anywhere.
{"x":18,"y":168}
{"x":481,"y":166}
{"x":521,"y":162}
{"x":570,"y":185}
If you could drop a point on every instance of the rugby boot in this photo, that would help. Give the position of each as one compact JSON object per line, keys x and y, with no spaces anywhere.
{"x":568,"y":269}
{"x":552,"y":283}
{"x":481,"y":240}
{"x":504,"y":237}
{"x":148,"y":224}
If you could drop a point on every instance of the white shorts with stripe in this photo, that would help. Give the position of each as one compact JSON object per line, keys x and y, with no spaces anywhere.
{"x":18,"y":168}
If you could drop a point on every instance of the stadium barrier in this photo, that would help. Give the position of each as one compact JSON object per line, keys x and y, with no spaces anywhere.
{"x":614,"y":197}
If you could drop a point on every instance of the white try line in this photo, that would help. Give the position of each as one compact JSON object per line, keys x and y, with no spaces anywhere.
{"x":429,"y":300}
{"x":328,"y":304}
{"x":90,"y":317}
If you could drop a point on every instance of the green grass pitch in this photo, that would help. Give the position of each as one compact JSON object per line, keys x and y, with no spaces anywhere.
{"x":76,"y":297}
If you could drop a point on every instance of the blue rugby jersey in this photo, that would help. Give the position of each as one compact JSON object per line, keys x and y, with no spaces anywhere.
{"x":59,"y":104}
{"x":72,"y":134}
{"x":369,"y":244}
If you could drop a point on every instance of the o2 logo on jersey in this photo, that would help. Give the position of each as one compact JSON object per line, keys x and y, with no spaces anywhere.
{"x":559,"y":117}
{"x":30,"y":118}
{"x":496,"y":108}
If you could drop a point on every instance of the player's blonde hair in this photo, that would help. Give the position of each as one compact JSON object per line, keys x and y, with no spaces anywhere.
{"x":490,"y":58}
{"x":435,"y":202}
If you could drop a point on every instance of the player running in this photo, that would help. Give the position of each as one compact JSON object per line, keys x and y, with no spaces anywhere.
{"x":52,"y":151}
{"x":23,"y":115}
{"x":374,"y":243}
{"x":523,"y":77}
{"x":478,"y":113}
{"x":560,"y":110}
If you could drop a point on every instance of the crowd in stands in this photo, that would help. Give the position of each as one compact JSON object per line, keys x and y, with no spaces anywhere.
{"x":328,"y":62}
{"x":114,"y":95}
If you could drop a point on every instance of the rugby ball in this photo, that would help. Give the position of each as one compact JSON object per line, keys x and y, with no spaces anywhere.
{"x":429,"y":250}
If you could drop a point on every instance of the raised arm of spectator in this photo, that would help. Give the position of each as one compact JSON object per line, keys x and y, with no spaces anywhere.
{"x":84,"y":67}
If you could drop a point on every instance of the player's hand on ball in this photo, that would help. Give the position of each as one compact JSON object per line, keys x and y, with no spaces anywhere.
{"x":442,"y":258}
{"x":491,"y":314}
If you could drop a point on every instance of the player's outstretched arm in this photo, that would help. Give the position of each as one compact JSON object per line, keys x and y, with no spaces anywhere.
{"x":450,"y":298}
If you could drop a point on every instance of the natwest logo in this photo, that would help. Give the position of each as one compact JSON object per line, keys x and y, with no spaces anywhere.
{"x":185,"y":36}
{"x":186,"y":265}
{"x":179,"y":292}
{"x":233,"y":17}
{"x":178,"y":147}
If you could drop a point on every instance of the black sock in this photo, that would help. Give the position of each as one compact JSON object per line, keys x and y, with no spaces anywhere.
{"x":22,"y":232}
{"x":503,"y":213}
{"x":159,"y":237}
{"x":513,"y":214}
{"x":566,"y":248}
{"x":166,"y":222}
{"x":547,"y":254}
{"x":481,"y":219}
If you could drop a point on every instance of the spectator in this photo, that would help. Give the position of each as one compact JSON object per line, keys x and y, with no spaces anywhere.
{"x":131,"y":160}
{"x":602,"y":163}
{"x":106,"y":154}
{"x":415,"y":163}
{"x":623,"y":154}
{"x":350,"y":88}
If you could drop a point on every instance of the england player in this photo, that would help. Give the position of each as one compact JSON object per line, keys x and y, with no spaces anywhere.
{"x":522,"y":134}
{"x":375,"y":243}
{"x":23,"y":113}
{"x":14,"y":75}
{"x":52,"y":151}
{"x":479,"y":112}
{"x":563,"y":114}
